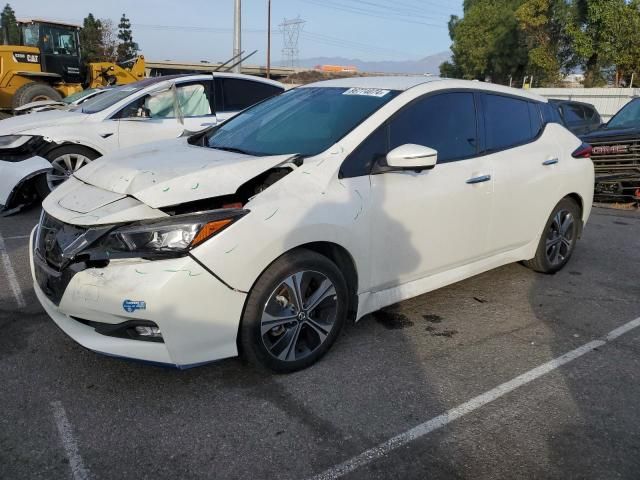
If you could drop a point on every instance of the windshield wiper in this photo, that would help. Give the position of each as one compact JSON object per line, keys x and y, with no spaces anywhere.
{"x":234,"y":150}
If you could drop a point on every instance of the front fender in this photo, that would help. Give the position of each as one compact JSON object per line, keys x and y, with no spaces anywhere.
{"x":296,"y":213}
{"x":14,"y":176}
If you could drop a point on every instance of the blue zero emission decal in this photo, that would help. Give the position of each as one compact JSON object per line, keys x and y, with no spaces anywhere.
{"x":133,"y":305}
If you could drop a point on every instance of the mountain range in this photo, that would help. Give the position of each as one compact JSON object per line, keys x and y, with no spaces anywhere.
{"x":429,"y":64}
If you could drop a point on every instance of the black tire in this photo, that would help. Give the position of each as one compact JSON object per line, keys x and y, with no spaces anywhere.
{"x":41,"y":183}
{"x":552,"y":257}
{"x":252,"y":342}
{"x":31,"y":92}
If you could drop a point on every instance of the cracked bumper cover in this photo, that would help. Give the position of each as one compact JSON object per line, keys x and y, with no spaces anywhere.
{"x":197,"y":314}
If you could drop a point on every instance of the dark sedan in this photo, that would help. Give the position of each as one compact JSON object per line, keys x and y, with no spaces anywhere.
{"x":579,"y":117}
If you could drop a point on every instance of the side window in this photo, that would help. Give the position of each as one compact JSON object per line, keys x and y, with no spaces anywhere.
{"x":238,"y":94}
{"x":361,"y":160}
{"x":445,"y":122}
{"x":193,"y":99}
{"x":535,"y":118}
{"x":591,"y":115}
{"x":550,"y":113}
{"x":507,"y":122}
{"x":572,"y":113}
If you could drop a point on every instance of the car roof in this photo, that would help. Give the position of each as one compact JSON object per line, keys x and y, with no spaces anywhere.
{"x":406,"y":82}
{"x":559,"y":100}
{"x":146,"y":82}
{"x":399,"y":82}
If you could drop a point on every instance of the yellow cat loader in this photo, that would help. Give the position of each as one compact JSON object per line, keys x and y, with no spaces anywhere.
{"x":47,"y":66}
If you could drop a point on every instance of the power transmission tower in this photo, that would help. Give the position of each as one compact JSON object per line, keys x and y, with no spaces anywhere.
{"x":291,"y":29}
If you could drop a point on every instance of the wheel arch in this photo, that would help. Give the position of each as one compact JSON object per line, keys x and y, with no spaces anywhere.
{"x":580,"y":202}
{"x":345,"y":262}
{"x":54,"y":145}
{"x":338,"y":255}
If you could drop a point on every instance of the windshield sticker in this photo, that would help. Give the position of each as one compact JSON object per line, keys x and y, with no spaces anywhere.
{"x":367,"y":92}
{"x":133,"y":305}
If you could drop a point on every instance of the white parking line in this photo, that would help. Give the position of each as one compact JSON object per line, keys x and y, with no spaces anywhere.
{"x":11,"y":275}
{"x":449,"y":416}
{"x":78,"y":470}
{"x":17,"y":237}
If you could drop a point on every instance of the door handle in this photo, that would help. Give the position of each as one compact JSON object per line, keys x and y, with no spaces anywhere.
{"x":209,"y":124}
{"x":551,"y":161}
{"x":483,"y":178}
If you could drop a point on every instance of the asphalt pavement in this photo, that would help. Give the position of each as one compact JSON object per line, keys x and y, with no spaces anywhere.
{"x":506,"y":375}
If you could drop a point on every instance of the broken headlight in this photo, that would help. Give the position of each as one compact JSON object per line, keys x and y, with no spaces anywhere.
{"x":172,"y":236}
{"x":13,"y":141}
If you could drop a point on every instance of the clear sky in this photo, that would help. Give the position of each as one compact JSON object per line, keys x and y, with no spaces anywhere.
{"x":202,"y":29}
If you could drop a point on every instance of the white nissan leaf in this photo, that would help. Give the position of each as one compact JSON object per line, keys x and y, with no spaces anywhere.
{"x":263,"y":235}
{"x":41,"y":150}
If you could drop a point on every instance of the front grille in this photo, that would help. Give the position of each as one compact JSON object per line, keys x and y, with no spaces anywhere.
{"x":53,"y":237}
{"x":616,"y":159}
{"x":52,"y":275}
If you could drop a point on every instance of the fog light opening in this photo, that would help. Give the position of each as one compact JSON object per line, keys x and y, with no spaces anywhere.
{"x":148,"y":332}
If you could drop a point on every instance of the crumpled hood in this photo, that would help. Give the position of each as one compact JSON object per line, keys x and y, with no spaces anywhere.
{"x":30,"y":121}
{"x":172,"y":172}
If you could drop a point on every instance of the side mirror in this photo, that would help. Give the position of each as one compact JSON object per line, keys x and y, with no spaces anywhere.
{"x":412,"y":157}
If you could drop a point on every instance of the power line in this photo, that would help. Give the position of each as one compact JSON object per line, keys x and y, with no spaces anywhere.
{"x":361,"y":11}
{"x":404,"y":8}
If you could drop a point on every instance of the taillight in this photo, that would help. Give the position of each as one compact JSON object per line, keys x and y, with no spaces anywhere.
{"x":583,"y":151}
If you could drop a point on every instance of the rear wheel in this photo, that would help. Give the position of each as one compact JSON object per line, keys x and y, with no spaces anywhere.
{"x":294,"y":312}
{"x":558,"y":239}
{"x":33,"y":92}
{"x":64,"y":162}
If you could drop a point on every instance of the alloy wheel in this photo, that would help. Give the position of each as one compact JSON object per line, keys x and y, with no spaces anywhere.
{"x":299,"y":316}
{"x":63,"y":167}
{"x":560,"y":237}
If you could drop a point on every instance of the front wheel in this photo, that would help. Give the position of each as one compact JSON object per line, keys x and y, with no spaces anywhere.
{"x":294,"y":312}
{"x":65,"y":161}
{"x":558,"y":240}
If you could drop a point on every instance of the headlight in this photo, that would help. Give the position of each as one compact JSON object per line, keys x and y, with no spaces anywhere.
{"x":14,"y":141}
{"x":174,"y":236}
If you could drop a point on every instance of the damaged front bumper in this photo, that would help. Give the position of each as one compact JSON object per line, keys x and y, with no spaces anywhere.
{"x":197,"y":315}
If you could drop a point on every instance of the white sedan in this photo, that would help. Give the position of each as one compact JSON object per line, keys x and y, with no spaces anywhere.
{"x":41,"y":150}
{"x":263,"y":235}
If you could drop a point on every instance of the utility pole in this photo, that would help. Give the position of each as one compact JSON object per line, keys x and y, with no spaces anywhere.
{"x":268,"y":38}
{"x":237,"y":33}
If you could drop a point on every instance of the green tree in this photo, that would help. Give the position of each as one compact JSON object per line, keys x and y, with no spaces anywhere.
{"x":10,"y":30}
{"x":91,"y":39}
{"x":597,"y":36}
{"x":542,"y":23}
{"x":626,"y":55}
{"x":127,"y":48}
{"x":487,"y":42}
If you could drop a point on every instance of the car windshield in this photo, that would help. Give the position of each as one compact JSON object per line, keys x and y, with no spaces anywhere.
{"x":629,"y":116}
{"x":80,"y":95}
{"x":107,"y":99}
{"x":306,"y":121}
